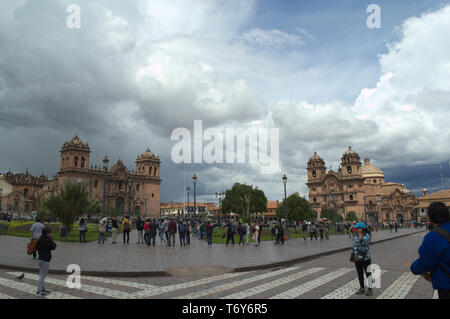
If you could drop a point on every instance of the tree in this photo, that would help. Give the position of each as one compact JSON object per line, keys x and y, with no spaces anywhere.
{"x":94,"y":207}
{"x":331,"y":214}
{"x":68,"y":204}
{"x":298,"y":208}
{"x":244,"y":200}
{"x":351,"y":216}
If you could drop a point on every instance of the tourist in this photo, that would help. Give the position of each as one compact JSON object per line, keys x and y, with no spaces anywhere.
{"x":255,"y":233}
{"x":188,"y":232}
{"x":126,"y":228}
{"x":140,"y":230}
{"x":247,"y":231}
{"x":396,"y":227}
{"x":209,"y":232}
{"x":321,"y":231}
{"x":36,"y":232}
{"x":280,"y":234}
{"x":152,"y":230}
{"x":102,"y":230}
{"x":44,"y":246}
{"x":172,"y":230}
{"x":434,"y":256}
{"x":241,"y":231}
{"x":312,"y":231}
{"x":162,"y":233}
{"x":260,"y":229}
{"x":115,"y":230}
{"x":230,"y":230}
{"x":202,"y":230}
{"x":305,"y":230}
{"x":182,"y":233}
{"x":166,"y":230}
{"x":361,"y":257}
{"x":82,"y":228}
{"x":326,"y":228}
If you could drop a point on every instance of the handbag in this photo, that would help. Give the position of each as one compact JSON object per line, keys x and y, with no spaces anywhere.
{"x":31,"y":246}
{"x":352,"y":257}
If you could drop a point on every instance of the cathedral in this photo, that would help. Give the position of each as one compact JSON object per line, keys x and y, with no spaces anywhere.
{"x":358,"y":188}
{"x":130,"y":192}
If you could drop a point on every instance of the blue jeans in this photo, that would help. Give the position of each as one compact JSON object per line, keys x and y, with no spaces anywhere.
{"x":43,"y":271}
{"x":182,"y":238}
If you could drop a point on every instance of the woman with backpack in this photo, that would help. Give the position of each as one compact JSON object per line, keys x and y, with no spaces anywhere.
{"x":82,"y":227}
{"x":126,"y":227}
{"x":44,"y":246}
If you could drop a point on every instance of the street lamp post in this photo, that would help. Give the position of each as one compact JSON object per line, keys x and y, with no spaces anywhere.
{"x":105,"y":169}
{"x":365,"y":213}
{"x":285,"y":205}
{"x":379,"y":198}
{"x":1,"y":194}
{"x":129,"y":197}
{"x":194,"y":178}
{"x":188,"y":190}
{"x":220,"y":196}
{"x":335,"y":213}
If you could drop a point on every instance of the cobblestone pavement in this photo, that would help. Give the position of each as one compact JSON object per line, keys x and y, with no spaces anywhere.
{"x":99,"y":259}
{"x":330,"y":277}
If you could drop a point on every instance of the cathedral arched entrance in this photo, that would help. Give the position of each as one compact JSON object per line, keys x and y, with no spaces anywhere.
{"x":120,"y":206}
{"x":400,"y":218}
{"x":373,"y":219}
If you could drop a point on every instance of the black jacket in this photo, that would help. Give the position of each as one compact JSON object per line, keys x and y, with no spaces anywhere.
{"x":44,"y":247}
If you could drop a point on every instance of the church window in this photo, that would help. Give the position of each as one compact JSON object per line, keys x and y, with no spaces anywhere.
{"x":315,"y":200}
{"x":349,"y":169}
{"x":153,"y":195}
{"x":374,"y":181}
{"x":95,"y":184}
{"x":75,"y":161}
{"x":154,"y":171}
{"x":350,"y":186}
{"x":82,"y":162}
{"x":351,"y":197}
{"x":25,"y":192}
{"x":137,"y":187}
{"x":314,"y":174}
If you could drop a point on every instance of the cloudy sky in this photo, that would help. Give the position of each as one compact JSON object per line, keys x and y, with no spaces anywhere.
{"x":136,"y":70}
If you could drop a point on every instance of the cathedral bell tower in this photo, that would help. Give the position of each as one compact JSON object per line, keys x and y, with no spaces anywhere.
{"x":75,"y":155}
{"x":147,"y":164}
{"x":350,"y":163}
{"x":316,"y":168}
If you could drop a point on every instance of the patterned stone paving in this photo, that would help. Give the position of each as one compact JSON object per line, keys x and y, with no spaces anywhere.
{"x":329,"y":277}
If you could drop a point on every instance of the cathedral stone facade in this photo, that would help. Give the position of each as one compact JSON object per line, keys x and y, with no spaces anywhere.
{"x":359,"y":188}
{"x":130,"y":192}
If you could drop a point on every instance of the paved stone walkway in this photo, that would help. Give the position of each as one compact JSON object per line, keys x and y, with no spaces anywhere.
{"x":135,"y":260}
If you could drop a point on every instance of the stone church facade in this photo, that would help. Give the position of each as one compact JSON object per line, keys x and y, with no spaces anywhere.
{"x":359,"y":188}
{"x":130,"y":192}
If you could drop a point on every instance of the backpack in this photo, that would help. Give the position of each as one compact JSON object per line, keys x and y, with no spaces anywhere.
{"x":243,"y":229}
{"x":126,"y":226}
{"x":441,"y":231}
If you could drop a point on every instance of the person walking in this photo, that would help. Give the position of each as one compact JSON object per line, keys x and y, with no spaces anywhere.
{"x":35,"y":233}
{"x":202,"y":230}
{"x":321,"y":231}
{"x":255,"y":233}
{"x":209,"y":232}
{"x":102,"y":230}
{"x":326,"y":228}
{"x":434,"y":254}
{"x":361,"y":257}
{"x":115,"y":230}
{"x":247,"y":232}
{"x":312,"y":231}
{"x":280,"y":234}
{"x":152,"y":230}
{"x":241,"y":231}
{"x":82,"y":228}
{"x":396,"y":227}
{"x":126,"y":228}
{"x":166,"y":230}
{"x":162,"y":233}
{"x":44,"y":246}
{"x":182,"y":233}
{"x":172,"y":230}
{"x":305,"y":230}
{"x":140,"y":230}
{"x":230,"y":233}
{"x":188,"y":232}
{"x":260,"y":229}
{"x":147,"y":232}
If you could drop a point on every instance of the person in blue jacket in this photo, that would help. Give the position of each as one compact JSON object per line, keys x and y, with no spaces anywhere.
{"x":434,"y":255}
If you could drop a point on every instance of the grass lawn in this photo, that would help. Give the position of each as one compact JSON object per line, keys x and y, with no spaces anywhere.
{"x":22,"y":229}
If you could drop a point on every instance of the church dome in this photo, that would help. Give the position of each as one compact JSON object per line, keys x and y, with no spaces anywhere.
{"x":369,"y":170}
{"x":315,"y":157}
{"x":350,"y":151}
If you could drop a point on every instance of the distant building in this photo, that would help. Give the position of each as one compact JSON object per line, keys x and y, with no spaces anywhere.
{"x":426,"y":199}
{"x":357,"y":188}
{"x":187,"y":209}
{"x":272,"y":206}
{"x":21,"y":193}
